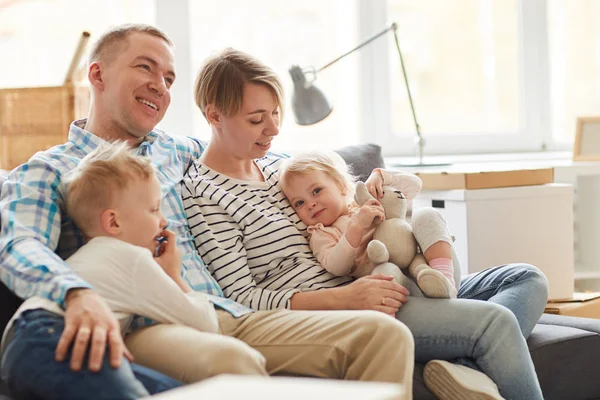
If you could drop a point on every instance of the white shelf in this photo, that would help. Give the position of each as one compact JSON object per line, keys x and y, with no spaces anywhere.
{"x":581,"y":276}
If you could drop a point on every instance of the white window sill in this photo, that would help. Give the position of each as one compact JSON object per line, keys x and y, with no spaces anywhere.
{"x":510,"y":160}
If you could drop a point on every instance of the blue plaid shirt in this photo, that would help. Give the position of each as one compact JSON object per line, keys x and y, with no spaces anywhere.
{"x":36,"y":235}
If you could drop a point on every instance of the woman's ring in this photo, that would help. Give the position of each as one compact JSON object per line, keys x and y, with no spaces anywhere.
{"x":383,"y":301}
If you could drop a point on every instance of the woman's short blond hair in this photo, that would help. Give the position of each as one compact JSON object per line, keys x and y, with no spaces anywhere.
{"x":328,"y":162}
{"x":222,"y":77}
{"x":99,"y":179}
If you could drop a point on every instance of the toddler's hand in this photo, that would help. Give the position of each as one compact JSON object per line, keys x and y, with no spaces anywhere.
{"x":169,"y":257}
{"x":370,"y":213}
{"x":374,"y":184}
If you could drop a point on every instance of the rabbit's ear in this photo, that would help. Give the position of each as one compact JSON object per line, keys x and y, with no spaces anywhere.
{"x":362,"y":195}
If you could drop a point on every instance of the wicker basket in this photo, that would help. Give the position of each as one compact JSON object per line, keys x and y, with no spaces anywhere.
{"x":35,"y":119}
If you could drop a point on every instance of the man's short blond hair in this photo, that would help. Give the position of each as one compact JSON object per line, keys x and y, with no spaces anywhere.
{"x":222,"y":77}
{"x":99,"y":179}
{"x":328,"y":162}
{"x":114,"y":41}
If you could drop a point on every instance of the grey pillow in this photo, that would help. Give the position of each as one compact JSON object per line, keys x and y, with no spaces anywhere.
{"x":362,"y":159}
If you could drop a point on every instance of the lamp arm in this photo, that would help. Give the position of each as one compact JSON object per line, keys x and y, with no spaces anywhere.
{"x":393,"y":27}
{"x":366,"y":42}
{"x":421,"y":142}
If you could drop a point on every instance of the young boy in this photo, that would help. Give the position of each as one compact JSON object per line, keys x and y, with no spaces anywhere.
{"x":114,"y":197}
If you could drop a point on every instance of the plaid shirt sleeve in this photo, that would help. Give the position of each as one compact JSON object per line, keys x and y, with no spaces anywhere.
{"x":188,"y":149}
{"x":30,"y":225}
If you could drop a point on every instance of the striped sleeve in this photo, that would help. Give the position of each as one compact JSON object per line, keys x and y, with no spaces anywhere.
{"x":30,"y":225}
{"x":229,"y":233}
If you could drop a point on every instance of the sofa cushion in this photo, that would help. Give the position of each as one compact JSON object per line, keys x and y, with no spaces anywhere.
{"x":565,"y":352}
{"x":565,"y":359}
{"x":362,"y":158}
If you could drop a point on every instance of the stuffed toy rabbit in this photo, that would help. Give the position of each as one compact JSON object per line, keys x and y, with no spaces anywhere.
{"x":394,"y":246}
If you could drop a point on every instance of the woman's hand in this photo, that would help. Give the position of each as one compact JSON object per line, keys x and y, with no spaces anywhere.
{"x":373,"y":292}
{"x":169,"y":257}
{"x":374,"y":183}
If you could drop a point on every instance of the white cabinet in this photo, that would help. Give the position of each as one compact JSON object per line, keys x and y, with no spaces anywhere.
{"x":585,"y":177}
{"x":530,"y":224}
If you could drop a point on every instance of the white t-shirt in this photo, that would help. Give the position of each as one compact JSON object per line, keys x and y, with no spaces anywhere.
{"x":132,"y":283}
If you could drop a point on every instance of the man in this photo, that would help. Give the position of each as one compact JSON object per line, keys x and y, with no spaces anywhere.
{"x":131,"y":73}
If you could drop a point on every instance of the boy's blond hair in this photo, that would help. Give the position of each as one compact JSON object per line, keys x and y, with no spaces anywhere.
{"x":113,"y":41}
{"x":99,"y":180}
{"x":328,"y":162}
{"x":222,"y":78}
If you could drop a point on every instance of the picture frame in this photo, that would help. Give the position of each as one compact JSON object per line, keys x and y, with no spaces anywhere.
{"x":587,"y":139}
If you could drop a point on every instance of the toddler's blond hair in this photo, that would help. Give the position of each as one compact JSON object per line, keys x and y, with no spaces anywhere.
{"x":328,"y":162}
{"x":99,"y":179}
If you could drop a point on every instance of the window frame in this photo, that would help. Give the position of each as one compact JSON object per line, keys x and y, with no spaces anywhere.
{"x":534,"y":133}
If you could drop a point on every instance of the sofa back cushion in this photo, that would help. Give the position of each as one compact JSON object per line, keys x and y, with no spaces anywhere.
{"x":362,"y":159}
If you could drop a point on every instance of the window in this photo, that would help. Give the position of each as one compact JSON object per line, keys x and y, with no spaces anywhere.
{"x":282,"y":34}
{"x":486,"y":75}
{"x":38,"y":37}
{"x":462,"y":63}
{"x":574,"y":59}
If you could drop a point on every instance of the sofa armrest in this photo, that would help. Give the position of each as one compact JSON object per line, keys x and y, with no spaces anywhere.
{"x":586,"y":324}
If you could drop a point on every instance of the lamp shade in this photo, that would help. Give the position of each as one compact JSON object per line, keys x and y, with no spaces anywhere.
{"x":309,"y":104}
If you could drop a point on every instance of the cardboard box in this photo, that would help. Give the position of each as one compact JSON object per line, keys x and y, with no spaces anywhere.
{"x":448,"y":180}
{"x":585,"y":305}
{"x":35,"y":119}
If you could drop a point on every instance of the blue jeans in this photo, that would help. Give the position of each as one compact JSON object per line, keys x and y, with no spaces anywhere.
{"x":490,"y":333}
{"x":30,"y":371}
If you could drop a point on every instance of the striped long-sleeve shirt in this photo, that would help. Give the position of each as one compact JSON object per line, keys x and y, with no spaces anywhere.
{"x":250,"y":238}
{"x":36,"y":234}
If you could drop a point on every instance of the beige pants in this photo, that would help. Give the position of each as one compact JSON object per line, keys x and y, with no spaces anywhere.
{"x":356,"y":345}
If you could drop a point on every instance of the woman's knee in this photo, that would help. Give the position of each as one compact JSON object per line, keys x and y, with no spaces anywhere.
{"x":501,"y":320}
{"x":535,"y":277}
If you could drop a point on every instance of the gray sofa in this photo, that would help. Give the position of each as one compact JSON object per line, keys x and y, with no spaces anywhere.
{"x":565,"y":350}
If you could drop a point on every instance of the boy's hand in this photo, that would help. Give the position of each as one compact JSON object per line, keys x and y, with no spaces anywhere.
{"x":374,"y":184}
{"x":370,"y":213}
{"x":169,"y":257}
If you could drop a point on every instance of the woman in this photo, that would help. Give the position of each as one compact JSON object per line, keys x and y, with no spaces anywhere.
{"x":256,"y":247}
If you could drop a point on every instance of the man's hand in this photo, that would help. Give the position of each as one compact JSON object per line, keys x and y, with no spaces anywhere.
{"x":90,"y":323}
{"x":169,"y":257}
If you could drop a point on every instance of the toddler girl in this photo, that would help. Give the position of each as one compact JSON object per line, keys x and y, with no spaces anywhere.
{"x":320,"y":189}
